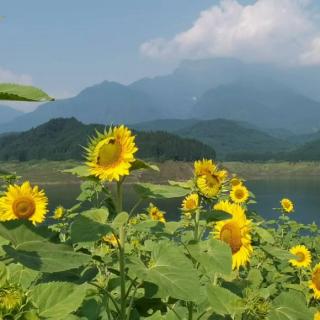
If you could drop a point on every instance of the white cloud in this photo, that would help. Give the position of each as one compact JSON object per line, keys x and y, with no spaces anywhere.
{"x":10,"y":76}
{"x":279,"y":31}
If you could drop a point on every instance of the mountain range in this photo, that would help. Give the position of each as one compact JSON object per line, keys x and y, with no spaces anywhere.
{"x":270,"y":98}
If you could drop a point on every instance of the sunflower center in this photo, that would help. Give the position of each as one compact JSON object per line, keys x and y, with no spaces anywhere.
{"x":239,"y":194}
{"x":300,"y":256}
{"x":191,"y":204}
{"x":316,"y":279}
{"x":212,"y":181}
{"x":109,"y":153}
{"x":231,"y":234}
{"x":24,"y":207}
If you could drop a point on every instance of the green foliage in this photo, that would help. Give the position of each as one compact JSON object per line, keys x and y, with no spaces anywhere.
{"x":62,"y":139}
{"x":99,"y":262}
{"x":56,"y":300}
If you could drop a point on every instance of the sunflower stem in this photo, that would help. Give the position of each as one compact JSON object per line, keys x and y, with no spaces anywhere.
{"x":196,"y":225}
{"x":119,"y":195}
{"x":122,"y":236}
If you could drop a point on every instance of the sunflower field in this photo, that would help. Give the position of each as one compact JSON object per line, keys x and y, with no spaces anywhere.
{"x":220,"y":260}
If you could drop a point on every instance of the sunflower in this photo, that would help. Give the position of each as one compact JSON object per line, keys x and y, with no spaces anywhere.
{"x":315,"y":281}
{"x":24,"y":203}
{"x":210,"y":184}
{"x":204,"y":166}
{"x":235,"y":181}
{"x":111,"y":239}
{"x":239,"y":194}
{"x":111,"y":154}
{"x":317,"y":315}
{"x":303,"y":256}
{"x":155,"y":213}
{"x":235,"y":232}
{"x":287,"y":205}
{"x":11,"y":299}
{"x":58,"y":213}
{"x":190,"y":202}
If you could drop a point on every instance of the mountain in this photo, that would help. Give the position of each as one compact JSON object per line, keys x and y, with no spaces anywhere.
{"x":225,"y":136}
{"x":168,"y":125}
{"x":266,"y":106}
{"x":8,"y":114}
{"x":61,"y":139}
{"x":108,"y":102}
{"x":269,"y":97}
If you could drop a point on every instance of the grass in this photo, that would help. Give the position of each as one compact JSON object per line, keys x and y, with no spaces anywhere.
{"x":49,"y":172}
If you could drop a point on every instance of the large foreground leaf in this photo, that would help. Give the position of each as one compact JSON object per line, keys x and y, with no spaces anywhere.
{"x":214,"y":255}
{"x":47,"y":257}
{"x":290,"y":306}
{"x":90,"y":226}
{"x":223,"y":301}
{"x":158,"y":191}
{"x":17,"y":92}
{"x":19,"y":232}
{"x":171,"y":272}
{"x":55,"y":300}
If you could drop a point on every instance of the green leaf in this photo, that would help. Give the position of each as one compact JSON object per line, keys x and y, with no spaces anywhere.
{"x":3,"y":274}
{"x":264,"y":234}
{"x":120,"y":220}
{"x":183,"y":184}
{"x":255,"y":278}
{"x":21,"y":275}
{"x":17,"y":92}
{"x":79,"y":171}
{"x":214,"y":255}
{"x":47,"y":257}
{"x":18,"y":232}
{"x":223,"y":301}
{"x":139,"y":164}
{"x":277,"y":252}
{"x":215,"y":215}
{"x":157,"y":191}
{"x":56,"y":300}
{"x":90,"y":226}
{"x":171,"y":272}
{"x":290,"y":306}
{"x":149,"y":226}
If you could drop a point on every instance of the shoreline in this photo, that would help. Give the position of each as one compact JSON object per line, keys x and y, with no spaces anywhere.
{"x":49,"y":172}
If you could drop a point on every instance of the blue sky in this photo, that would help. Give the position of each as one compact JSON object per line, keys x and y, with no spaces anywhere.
{"x":66,"y":45}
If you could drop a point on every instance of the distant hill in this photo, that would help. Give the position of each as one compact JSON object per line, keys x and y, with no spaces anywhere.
{"x":269,"y":106}
{"x":61,"y":139}
{"x":108,"y":102}
{"x":225,"y":136}
{"x":8,"y":114}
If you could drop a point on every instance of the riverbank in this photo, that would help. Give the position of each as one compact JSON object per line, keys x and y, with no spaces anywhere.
{"x":50,"y":172}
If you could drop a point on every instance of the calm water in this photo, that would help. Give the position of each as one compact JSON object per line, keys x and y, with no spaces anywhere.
{"x":304,"y":193}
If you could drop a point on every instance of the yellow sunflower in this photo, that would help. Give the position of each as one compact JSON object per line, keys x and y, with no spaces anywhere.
{"x":236,"y":233}
{"x":287,"y":205}
{"x":239,"y":194}
{"x":155,"y":213}
{"x":235,"y":181}
{"x":58,"y":213}
{"x":317,"y":316}
{"x":111,"y":154}
{"x":204,"y":166}
{"x":190,"y":202}
{"x":303,"y":256}
{"x":315,"y":281}
{"x":210,"y":184}
{"x":111,"y":239}
{"x":24,"y":203}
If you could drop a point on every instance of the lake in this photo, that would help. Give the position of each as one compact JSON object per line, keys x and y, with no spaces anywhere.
{"x":304,"y":192}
